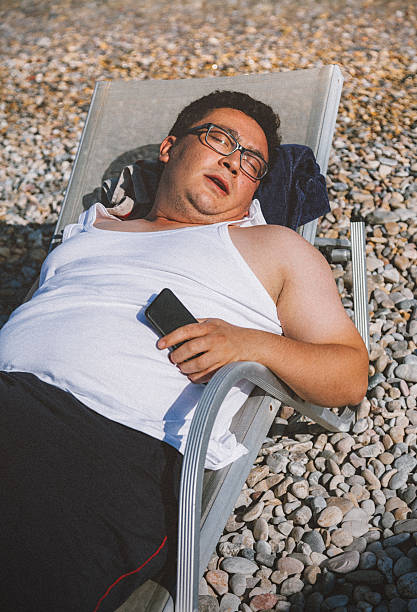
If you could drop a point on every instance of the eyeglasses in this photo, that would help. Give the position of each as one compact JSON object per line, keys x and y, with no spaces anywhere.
{"x":224,"y":143}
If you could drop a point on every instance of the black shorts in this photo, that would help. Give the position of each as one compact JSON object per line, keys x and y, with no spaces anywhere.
{"x":88,"y":507}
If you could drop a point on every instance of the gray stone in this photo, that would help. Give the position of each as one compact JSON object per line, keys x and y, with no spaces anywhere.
{"x":410,"y":494}
{"x":356,"y":514}
{"x":247,"y":553}
{"x":344,"y":563}
{"x":385,"y":565}
{"x":314,"y":602}
{"x":397,"y":540}
{"x":336,"y":601}
{"x":265,"y":559}
{"x":358,"y":544}
{"x":369,"y":577}
{"x":285,"y":527}
{"x":407,"y":371}
{"x":229,"y":603}
{"x":291,"y":585}
{"x":372,"y":450}
{"x":367,"y":560}
{"x":277,"y":463}
{"x":380,"y":216}
{"x":403,"y":565}
{"x":239,"y":565}
{"x":376,"y":380}
{"x":407,"y":585}
{"x":296,"y":468}
{"x":237,"y":584}
{"x":301,"y":516}
{"x":398,"y":480}
{"x":387,"y":520}
{"x":394,"y":552}
{"x":397,"y":605}
{"x":315,"y":541}
{"x":263,"y":547}
{"x":356,"y":528}
{"x":406,"y":462}
{"x":406,"y":525}
{"x":207,"y":603}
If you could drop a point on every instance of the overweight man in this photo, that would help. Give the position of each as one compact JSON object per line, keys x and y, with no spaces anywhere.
{"x":95,"y":407}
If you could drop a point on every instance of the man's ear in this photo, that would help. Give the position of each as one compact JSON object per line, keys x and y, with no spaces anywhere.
{"x":165,"y":148}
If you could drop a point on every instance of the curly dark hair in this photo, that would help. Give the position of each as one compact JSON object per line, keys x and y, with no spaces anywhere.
{"x":260,"y":112}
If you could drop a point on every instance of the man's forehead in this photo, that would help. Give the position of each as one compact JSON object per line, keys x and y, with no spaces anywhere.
{"x":245,"y":129}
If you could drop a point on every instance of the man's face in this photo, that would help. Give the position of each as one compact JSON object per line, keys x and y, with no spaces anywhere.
{"x":208,"y":187}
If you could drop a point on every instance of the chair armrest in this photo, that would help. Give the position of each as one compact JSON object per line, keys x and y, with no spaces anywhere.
{"x":360,"y":291}
{"x":194,"y":457}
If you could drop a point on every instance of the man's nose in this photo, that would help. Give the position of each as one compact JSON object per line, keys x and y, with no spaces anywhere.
{"x":231,"y":162}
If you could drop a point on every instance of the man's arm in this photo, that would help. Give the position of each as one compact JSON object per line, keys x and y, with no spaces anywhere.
{"x":321,"y":357}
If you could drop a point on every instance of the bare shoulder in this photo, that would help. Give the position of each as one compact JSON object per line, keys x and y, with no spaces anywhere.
{"x":281,"y":243}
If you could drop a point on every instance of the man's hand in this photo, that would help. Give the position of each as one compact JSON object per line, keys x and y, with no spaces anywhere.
{"x":209,"y":345}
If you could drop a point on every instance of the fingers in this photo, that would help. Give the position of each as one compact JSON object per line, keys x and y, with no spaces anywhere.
{"x":205,"y":347}
{"x":182,"y":334}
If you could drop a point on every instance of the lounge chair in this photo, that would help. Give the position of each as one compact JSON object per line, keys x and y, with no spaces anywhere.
{"x":125,"y":115}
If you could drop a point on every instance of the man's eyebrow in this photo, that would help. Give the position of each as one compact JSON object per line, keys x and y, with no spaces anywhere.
{"x":236,"y":135}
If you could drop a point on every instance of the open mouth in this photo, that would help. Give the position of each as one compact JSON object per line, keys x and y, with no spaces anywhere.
{"x":219,"y":182}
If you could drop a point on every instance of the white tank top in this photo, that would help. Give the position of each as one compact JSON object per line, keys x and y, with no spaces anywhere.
{"x":84,"y":330}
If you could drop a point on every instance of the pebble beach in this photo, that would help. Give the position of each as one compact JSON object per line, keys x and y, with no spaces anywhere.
{"x":326,"y":521}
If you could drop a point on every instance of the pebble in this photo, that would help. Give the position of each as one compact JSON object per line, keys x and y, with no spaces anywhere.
{"x":330,"y":516}
{"x":263,"y":602}
{"x":239,"y":565}
{"x":289,"y":566}
{"x":407,"y":525}
{"x":208,"y":603}
{"x":301,"y":516}
{"x":291,"y":585}
{"x":407,"y":585}
{"x":315,"y":540}
{"x":345,"y":563}
{"x":218,"y":580}
{"x":260,"y":529}
{"x":237,"y":584}
{"x":229,"y":603}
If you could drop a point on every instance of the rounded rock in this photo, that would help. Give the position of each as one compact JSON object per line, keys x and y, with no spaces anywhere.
{"x":341,"y":538}
{"x":367,"y":560}
{"x":260,"y":529}
{"x":289,"y":566}
{"x":330,"y":516}
{"x":345,"y":563}
{"x":237,"y":584}
{"x":402,"y":566}
{"x":229,"y":603}
{"x":315,"y":541}
{"x":301,"y":516}
{"x":218,"y":580}
{"x":264,"y":601}
{"x":291,"y":585}
{"x":407,"y":585}
{"x":239,"y":565}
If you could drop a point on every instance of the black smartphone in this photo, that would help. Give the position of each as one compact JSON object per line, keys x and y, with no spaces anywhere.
{"x":166,"y":313}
